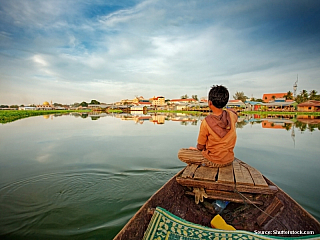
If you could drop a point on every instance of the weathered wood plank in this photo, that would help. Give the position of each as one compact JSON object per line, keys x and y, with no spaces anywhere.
{"x":255,"y":174}
{"x":206,"y":173}
{"x":228,"y":196}
{"x":224,"y":186}
{"x":225,"y":174}
{"x":257,"y":178}
{"x":271,"y":211}
{"x":189,"y":171}
{"x":205,"y":184}
{"x":241,"y":174}
{"x":256,"y":189}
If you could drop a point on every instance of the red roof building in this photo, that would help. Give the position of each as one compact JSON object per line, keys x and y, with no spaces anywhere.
{"x":268,"y":97}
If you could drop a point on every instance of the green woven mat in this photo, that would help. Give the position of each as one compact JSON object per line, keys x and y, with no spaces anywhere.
{"x":166,"y":226}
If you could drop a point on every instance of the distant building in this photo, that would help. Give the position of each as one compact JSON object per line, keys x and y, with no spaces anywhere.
{"x":146,"y":104}
{"x":27,"y":108}
{"x":126,"y":102}
{"x":309,"y":106}
{"x":137,"y":100}
{"x":253,"y":106}
{"x":137,"y":108}
{"x":45,"y":106}
{"x":158,"y":101}
{"x":235,"y":104}
{"x":273,"y":97}
{"x":181,"y":107}
{"x":182,"y":100}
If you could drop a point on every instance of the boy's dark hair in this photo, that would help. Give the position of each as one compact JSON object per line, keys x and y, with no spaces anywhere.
{"x":219,"y":96}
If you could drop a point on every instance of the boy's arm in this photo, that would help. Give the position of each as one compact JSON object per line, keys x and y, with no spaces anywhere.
{"x":203,"y":136}
{"x":201,"y":147}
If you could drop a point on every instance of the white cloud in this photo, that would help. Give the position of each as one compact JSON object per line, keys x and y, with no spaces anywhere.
{"x":154,"y":47}
{"x":40,"y":60}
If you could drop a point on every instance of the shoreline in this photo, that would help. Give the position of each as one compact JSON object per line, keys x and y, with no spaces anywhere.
{"x":7,"y":116}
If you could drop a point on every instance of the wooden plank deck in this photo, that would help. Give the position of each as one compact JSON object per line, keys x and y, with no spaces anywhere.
{"x":237,"y":177}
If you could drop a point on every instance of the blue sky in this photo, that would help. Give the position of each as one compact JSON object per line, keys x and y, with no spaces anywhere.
{"x":78,"y":50}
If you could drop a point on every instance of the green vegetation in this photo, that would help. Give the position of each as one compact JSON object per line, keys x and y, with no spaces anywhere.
{"x":305,"y":96}
{"x":93,"y":101}
{"x":240,"y":96}
{"x":83,"y":104}
{"x":114,"y":111}
{"x":13,"y":115}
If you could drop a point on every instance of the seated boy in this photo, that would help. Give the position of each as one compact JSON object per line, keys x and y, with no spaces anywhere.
{"x":217,"y":136}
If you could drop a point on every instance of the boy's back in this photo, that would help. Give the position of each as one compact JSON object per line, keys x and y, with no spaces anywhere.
{"x":217,"y":135}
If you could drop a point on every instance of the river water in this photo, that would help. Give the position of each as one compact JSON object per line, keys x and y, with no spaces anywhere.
{"x":83,"y":177}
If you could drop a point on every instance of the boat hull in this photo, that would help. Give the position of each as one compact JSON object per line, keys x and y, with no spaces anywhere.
{"x":172,"y":197}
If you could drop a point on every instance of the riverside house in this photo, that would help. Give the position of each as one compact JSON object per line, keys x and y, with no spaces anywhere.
{"x":309,"y":106}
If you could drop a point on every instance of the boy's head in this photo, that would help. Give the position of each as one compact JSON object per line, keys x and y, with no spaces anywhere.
{"x":219,"y":96}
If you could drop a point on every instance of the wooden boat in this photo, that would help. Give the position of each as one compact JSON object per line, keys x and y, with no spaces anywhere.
{"x":256,"y":203}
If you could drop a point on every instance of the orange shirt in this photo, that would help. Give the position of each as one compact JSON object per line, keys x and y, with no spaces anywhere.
{"x":218,"y":150}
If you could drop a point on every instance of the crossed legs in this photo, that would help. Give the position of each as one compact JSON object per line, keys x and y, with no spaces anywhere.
{"x":193,"y":156}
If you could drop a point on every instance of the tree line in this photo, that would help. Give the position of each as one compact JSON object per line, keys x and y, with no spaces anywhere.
{"x":303,"y":96}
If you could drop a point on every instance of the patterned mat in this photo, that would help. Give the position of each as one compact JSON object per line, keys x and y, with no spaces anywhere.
{"x":166,"y":226}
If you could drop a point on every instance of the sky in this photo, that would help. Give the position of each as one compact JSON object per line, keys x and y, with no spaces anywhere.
{"x":68,"y":51}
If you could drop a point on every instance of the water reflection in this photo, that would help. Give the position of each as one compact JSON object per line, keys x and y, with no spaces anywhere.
{"x":285,"y":122}
{"x":155,"y":118}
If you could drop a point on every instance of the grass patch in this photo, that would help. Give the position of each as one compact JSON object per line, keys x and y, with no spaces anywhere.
{"x":114,"y":111}
{"x":13,"y":115}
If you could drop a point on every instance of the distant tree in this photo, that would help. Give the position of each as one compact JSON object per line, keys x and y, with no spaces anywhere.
{"x":14,"y":106}
{"x":94,"y":102}
{"x":195,"y":97}
{"x":76,"y":104}
{"x":256,"y":99}
{"x":289,"y":96}
{"x":4,"y":106}
{"x":21,"y":105}
{"x":57,"y":104}
{"x":240,"y":96}
{"x":299,"y":99}
{"x":302,"y":97}
{"x":83,"y":104}
{"x":304,"y":94}
{"x":184,"y":96}
{"x":313,"y":95}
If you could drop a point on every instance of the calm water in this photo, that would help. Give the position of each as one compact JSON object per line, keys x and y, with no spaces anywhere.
{"x":83,"y":177}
